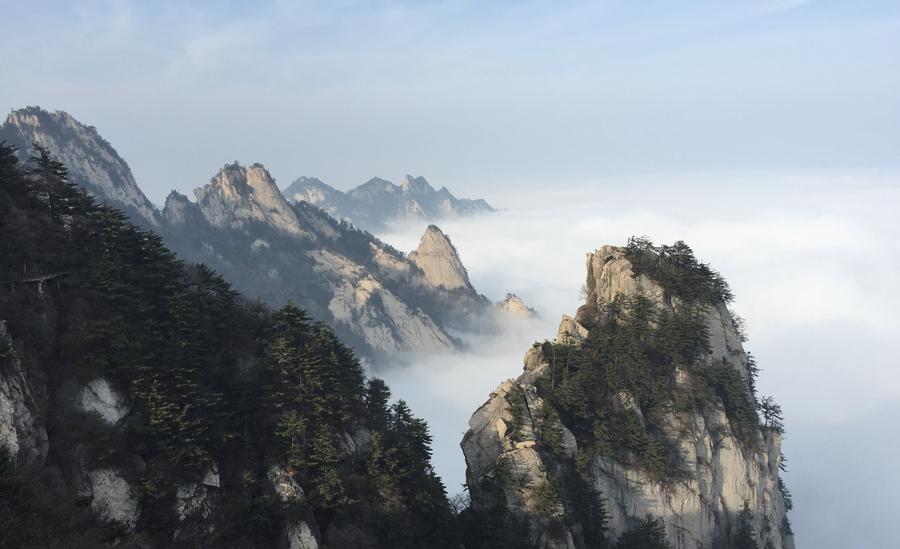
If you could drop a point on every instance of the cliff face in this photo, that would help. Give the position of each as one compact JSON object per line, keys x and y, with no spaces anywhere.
{"x":93,"y":162}
{"x":374,"y":203}
{"x":238,"y":196}
{"x":600,"y":431}
{"x":437,"y":258}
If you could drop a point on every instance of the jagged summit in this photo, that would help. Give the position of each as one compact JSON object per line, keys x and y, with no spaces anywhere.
{"x":416,"y":185}
{"x":643,"y":404}
{"x":239,"y":195}
{"x":514,"y":304}
{"x":270,"y":248}
{"x":439,"y":261}
{"x":92,"y":162}
{"x":377,"y":201}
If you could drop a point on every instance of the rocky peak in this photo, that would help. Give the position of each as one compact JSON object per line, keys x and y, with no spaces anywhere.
{"x":437,"y":258}
{"x":176,"y":209}
{"x":514,"y":304}
{"x":372,"y":188}
{"x":415,"y":185}
{"x":309,"y":189}
{"x":239,"y":195}
{"x":707,"y":470}
{"x":92,"y":162}
{"x":610,"y":273}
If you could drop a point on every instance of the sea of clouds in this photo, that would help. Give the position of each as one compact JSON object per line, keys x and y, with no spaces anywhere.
{"x":813,"y":262}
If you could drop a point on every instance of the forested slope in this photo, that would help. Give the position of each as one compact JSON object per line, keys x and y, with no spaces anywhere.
{"x":144,"y":402}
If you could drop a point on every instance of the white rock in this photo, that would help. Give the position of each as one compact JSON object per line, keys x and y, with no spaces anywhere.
{"x":697,"y":511}
{"x":300,"y":536}
{"x":286,"y":488}
{"x":570,"y":331}
{"x":373,"y":312}
{"x":100,"y":398}
{"x":22,"y":431}
{"x":112,"y":498}
{"x":513,"y":304}
{"x":238,"y":196}
{"x":437,"y":258}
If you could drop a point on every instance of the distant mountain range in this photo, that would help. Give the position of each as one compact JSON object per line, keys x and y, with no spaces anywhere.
{"x":374,"y":203}
{"x":379,"y":300}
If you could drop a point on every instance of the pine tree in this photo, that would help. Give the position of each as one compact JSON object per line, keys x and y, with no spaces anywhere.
{"x":745,"y":536}
{"x":648,"y":533}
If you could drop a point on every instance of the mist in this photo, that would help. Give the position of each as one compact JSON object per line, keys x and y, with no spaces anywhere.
{"x":812,"y":260}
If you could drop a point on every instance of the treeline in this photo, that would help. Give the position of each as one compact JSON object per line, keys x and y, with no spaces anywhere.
{"x":213,"y":382}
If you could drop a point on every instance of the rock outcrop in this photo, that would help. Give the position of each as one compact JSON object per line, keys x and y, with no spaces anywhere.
{"x":373,"y":204}
{"x":239,"y":196}
{"x":439,"y":261}
{"x":23,"y":435}
{"x":92,"y":162}
{"x":723,"y":468}
{"x":513,"y":304}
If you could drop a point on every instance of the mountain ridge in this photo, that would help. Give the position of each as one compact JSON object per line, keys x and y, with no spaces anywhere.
{"x":373,"y":204}
{"x":241,"y":224}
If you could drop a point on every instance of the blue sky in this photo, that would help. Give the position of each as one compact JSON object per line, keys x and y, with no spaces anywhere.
{"x":765,"y":133}
{"x":478,"y":96}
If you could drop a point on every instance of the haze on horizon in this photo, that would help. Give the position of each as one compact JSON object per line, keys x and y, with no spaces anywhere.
{"x":764,"y":133}
{"x":481,"y":98}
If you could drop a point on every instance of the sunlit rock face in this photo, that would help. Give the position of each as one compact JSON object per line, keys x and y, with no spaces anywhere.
{"x":439,"y":261}
{"x":98,"y":397}
{"x":513,"y":304}
{"x":372,"y":205}
{"x":699,"y":509}
{"x":374,"y":313}
{"x":112,"y":497}
{"x":92,"y":162}
{"x":23,"y":435}
{"x":274,"y":249}
{"x":238,"y":196}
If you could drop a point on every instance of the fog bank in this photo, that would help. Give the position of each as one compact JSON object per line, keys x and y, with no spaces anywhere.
{"x":812,"y":261}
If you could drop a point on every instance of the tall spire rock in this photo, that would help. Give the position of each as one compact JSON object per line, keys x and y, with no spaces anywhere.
{"x":437,"y":258}
{"x":92,"y":162}
{"x":643,"y":404}
{"x":239,"y":196}
{"x":513,"y":304}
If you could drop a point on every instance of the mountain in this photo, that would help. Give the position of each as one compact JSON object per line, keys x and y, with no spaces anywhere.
{"x":374,"y":203}
{"x":91,"y":160}
{"x":513,"y":304}
{"x":377,"y":299}
{"x":439,"y":261}
{"x":144,"y":403}
{"x":638,"y":423}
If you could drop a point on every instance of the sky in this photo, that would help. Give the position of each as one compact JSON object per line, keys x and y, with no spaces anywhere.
{"x":765,"y":133}
{"x":475,"y":95}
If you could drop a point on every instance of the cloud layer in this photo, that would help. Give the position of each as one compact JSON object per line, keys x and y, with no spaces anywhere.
{"x":813,"y":262}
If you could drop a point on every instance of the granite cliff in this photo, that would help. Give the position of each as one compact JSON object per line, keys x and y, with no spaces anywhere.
{"x":643,"y":405}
